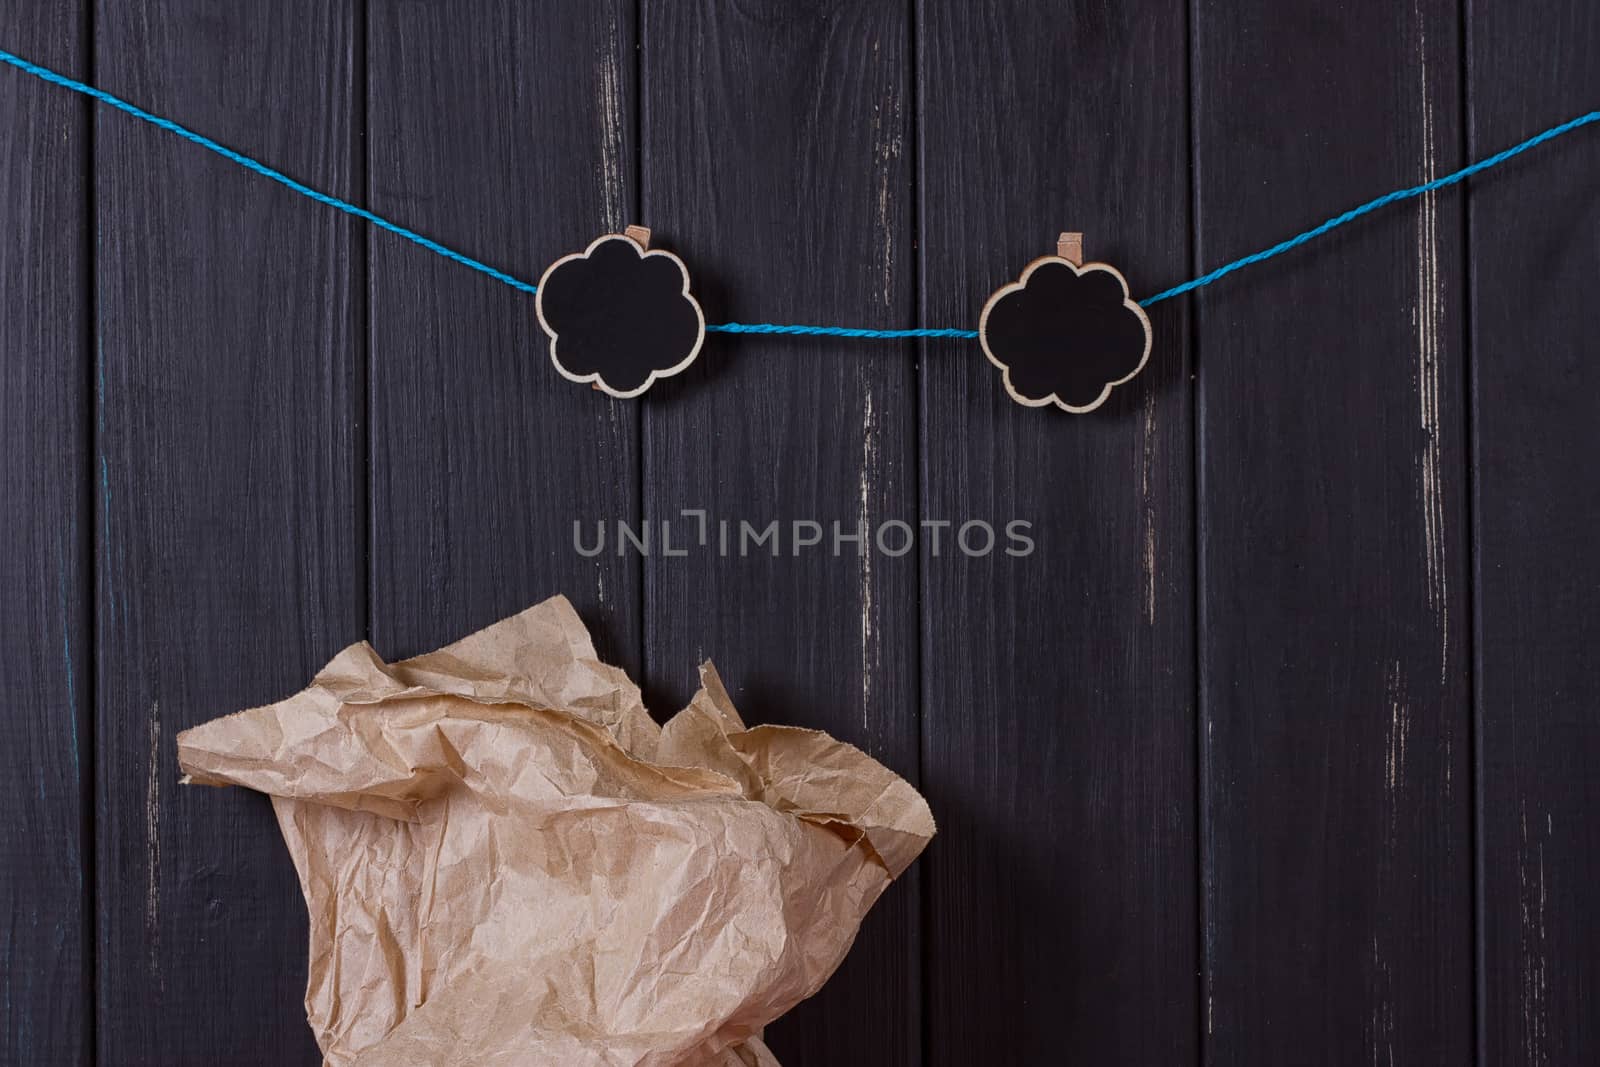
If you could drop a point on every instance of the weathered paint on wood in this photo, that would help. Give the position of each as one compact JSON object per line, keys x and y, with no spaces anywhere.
{"x":46,"y":656}
{"x":1536,"y":504}
{"x":777,"y":160}
{"x":239,"y":432}
{"x":483,"y":457}
{"x":1058,"y":689}
{"x":1334,"y":657}
{"x":229,"y":493}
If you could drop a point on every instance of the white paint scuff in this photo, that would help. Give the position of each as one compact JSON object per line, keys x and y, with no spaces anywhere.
{"x":1399,"y":731}
{"x":609,"y":107}
{"x":869,"y":459}
{"x":1535,"y":946}
{"x":1429,"y":318}
{"x":1148,"y":513}
{"x":887,"y":144}
{"x":152,"y":840}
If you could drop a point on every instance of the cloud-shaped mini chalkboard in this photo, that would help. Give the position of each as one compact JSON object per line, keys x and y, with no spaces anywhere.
{"x":618,"y":315}
{"x":1065,"y":334}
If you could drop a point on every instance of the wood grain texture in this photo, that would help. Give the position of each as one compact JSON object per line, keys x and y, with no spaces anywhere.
{"x":197,"y":367}
{"x":1536,"y":381}
{"x":505,"y":128}
{"x":777,"y":162}
{"x":228,"y":546}
{"x":1058,"y":723}
{"x":46,"y":664}
{"x":1332,"y":541}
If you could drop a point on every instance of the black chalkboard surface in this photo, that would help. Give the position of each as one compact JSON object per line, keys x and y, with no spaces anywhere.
{"x":619,"y":316}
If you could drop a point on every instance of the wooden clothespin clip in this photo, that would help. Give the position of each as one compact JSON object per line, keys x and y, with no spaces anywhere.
{"x":1069,"y":246}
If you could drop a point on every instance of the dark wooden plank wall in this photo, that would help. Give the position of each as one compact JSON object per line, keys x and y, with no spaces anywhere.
{"x":1536,"y":506}
{"x":1058,"y":688}
{"x":229,"y":539}
{"x":1227,"y":769}
{"x":46,"y":652}
{"x":1334,"y":733}
{"x":480,"y":113}
{"x":781,"y":169}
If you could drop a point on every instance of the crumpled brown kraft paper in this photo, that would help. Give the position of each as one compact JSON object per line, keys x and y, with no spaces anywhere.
{"x":507,"y":862}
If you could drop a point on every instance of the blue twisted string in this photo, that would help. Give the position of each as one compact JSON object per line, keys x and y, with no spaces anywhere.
{"x":834,"y":331}
{"x":45,"y":74}
{"x":1373,"y":205}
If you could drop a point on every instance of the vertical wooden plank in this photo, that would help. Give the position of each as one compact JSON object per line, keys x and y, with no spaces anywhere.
{"x":776,"y":160}
{"x":1058,"y":727}
{"x":504,"y":128}
{"x":46,"y":676}
{"x":1334,"y":658}
{"x":227,"y":481}
{"x":1537,"y":505}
